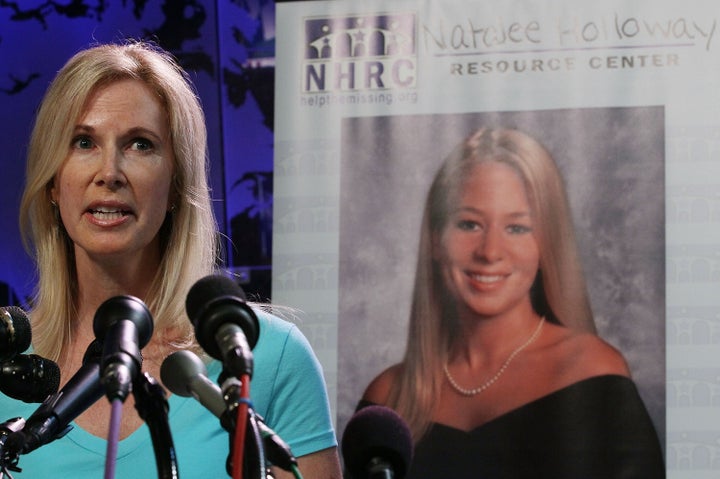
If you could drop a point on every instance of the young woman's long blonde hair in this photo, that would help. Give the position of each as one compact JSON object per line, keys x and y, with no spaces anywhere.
{"x":559,"y":292}
{"x":188,"y":236}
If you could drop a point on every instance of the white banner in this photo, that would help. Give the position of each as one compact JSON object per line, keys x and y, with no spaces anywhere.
{"x":371,"y":98}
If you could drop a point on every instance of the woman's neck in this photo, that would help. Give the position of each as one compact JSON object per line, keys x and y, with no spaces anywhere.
{"x":486,"y":339}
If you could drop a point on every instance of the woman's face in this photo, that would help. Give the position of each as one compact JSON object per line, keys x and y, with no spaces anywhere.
{"x":114,"y":187}
{"x":488,"y":252}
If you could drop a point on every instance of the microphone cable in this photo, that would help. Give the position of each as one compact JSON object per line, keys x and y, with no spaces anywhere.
{"x":113,"y":437}
{"x":247,"y":452}
{"x":241,"y":411}
{"x":258,"y":460}
{"x":152,"y":406}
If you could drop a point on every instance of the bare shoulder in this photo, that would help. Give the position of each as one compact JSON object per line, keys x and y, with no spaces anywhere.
{"x":579,"y":356}
{"x":592,"y":356}
{"x":378,"y":391}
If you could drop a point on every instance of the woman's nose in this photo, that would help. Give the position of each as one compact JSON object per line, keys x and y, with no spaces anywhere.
{"x":110,"y":172}
{"x":490,"y":246}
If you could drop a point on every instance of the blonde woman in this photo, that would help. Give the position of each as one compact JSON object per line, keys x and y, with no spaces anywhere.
{"x":117,"y":203}
{"x":503,"y":374}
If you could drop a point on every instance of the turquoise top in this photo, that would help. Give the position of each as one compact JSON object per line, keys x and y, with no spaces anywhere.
{"x":287,"y":390}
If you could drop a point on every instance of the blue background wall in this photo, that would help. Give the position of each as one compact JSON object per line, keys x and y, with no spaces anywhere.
{"x":228,"y":48}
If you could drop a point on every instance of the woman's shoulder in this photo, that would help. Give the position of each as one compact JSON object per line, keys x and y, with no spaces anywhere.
{"x":279,"y":336}
{"x":278,"y":324}
{"x":378,"y":391}
{"x":581,"y":355}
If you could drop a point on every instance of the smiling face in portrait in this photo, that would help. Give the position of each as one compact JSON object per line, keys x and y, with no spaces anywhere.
{"x":114,"y":188}
{"x":487,"y":250}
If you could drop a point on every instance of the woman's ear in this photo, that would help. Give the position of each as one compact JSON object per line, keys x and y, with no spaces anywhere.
{"x":52,"y":191}
{"x":173,"y":196}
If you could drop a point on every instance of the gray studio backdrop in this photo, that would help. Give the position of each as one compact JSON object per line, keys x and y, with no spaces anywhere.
{"x":612,"y":160}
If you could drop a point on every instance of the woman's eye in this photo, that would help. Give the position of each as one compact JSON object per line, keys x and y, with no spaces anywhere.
{"x":141,"y":144}
{"x":467,"y":225}
{"x":518,"y":229}
{"x":82,"y":142}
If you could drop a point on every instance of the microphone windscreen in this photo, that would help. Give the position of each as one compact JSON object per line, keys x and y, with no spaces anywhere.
{"x":121,"y":308}
{"x":51,"y":382}
{"x":16,"y":334}
{"x":376,"y":432}
{"x":215,"y":301}
{"x":208,"y":289}
{"x":29,"y":378}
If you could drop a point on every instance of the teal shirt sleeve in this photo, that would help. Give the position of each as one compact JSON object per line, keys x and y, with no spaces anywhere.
{"x":288,"y":388}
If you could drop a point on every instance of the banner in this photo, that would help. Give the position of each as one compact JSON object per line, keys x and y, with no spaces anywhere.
{"x":371,"y":98}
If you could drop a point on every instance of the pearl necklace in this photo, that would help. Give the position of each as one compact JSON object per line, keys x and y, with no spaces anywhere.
{"x":491,"y":381}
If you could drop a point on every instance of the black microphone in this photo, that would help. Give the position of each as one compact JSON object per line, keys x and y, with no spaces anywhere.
{"x":29,"y":378}
{"x":377,"y":444}
{"x":15,"y":334}
{"x":184,"y":374}
{"x":51,"y":420}
{"x":124,"y":325}
{"x":225,"y":326}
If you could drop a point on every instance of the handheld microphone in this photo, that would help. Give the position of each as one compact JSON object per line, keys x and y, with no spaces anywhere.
{"x":51,"y":420}
{"x":124,"y":325}
{"x":29,"y":378}
{"x":184,"y":374}
{"x":377,"y":444}
{"x":15,"y":333}
{"x":225,"y":326}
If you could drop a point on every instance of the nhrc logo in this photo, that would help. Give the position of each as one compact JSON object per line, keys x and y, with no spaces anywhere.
{"x":355,"y":53}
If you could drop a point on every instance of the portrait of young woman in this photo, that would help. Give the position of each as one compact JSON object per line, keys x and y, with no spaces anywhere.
{"x":503,"y":370}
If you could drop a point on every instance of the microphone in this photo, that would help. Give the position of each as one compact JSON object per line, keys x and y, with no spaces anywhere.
{"x":225,"y":326}
{"x":15,"y":334}
{"x":29,"y":378}
{"x":184,"y":374}
{"x":377,"y":444}
{"x":124,"y":325}
{"x":50,"y":421}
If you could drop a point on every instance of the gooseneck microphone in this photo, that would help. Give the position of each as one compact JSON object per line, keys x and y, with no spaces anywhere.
{"x":225,"y":326}
{"x":377,"y":444}
{"x":124,"y":325}
{"x":29,"y":378}
{"x":15,"y":333}
{"x":51,"y":420}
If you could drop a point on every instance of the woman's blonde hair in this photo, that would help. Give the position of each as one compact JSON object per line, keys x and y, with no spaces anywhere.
{"x":188,"y":236}
{"x":559,"y":291}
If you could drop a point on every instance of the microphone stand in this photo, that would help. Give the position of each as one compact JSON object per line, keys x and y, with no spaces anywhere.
{"x":153,"y":408}
{"x":9,"y":462}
